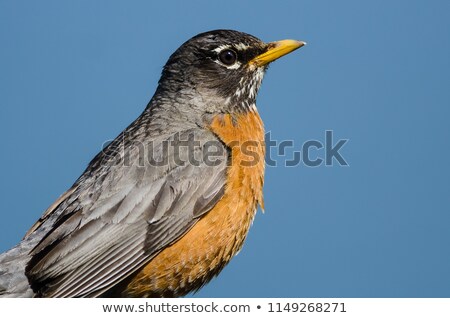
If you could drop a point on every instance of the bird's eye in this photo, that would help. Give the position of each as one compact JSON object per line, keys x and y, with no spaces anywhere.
{"x":228,"y":57}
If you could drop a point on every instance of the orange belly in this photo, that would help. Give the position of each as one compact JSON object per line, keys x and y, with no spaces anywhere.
{"x":205,"y":249}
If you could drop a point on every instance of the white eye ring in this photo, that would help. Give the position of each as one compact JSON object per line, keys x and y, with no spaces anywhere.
{"x":226,"y":48}
{"x":228,"y":57}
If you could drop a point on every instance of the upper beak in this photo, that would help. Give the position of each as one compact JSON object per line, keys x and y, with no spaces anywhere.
{"x":275,"y":51}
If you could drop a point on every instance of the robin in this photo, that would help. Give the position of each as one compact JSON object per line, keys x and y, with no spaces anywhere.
{"x":163,"y":208}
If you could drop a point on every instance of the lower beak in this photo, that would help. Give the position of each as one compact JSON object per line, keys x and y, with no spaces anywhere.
{"x":275,"y":51}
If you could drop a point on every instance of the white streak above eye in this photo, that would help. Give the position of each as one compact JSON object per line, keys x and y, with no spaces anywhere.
{"x":241,"y":46}
{"x":221,"y":48}
{"x":238,"y":46}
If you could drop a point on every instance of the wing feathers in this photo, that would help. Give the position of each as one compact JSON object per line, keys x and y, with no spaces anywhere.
{"x":111,"y":234}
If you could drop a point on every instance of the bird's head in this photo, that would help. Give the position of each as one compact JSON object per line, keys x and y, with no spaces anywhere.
{"x":225,"y":66}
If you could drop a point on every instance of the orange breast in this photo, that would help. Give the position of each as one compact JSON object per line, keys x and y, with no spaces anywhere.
{"x":205,"y":249}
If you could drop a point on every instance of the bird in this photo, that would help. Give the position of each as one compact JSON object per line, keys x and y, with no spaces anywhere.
{"x":163,"y":208}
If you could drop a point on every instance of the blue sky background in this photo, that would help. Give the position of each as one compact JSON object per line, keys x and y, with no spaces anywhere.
{"x":75,"y":73}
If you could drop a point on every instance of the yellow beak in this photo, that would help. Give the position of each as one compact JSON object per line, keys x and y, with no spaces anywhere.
{"x":275,"y":51}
